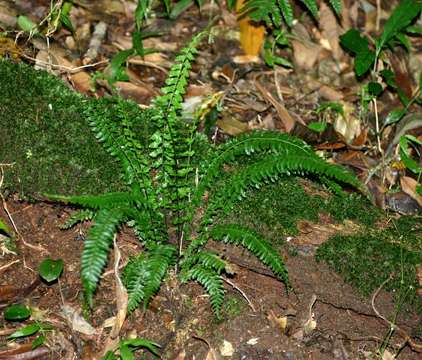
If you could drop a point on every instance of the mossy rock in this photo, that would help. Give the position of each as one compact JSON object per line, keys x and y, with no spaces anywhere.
{"x":45,"y":134}
{"x":368,"y":259}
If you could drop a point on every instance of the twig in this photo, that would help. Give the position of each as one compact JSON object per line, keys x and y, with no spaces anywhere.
{"x":241,"y":292}
{"x":66,"y":69}
{"x":4,"y":267}
{"x":407,"y":339}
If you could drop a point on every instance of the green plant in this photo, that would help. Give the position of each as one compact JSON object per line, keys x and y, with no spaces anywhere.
{"x":171,"y":200}
{"x":394,"y":33}
{"x":35,"y":328}
{"x":275,"y":12}
{"x":128,"y":346}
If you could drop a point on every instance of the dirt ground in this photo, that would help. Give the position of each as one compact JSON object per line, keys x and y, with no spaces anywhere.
{"x":321,"y":318}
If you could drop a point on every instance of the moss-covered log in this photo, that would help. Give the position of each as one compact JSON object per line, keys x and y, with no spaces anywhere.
{"x":45,"y":134}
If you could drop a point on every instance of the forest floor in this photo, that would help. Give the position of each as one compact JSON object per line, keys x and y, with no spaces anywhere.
{"x":323,"y":316}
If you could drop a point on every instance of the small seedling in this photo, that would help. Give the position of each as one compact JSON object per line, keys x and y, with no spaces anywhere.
{"x":127,"y":347}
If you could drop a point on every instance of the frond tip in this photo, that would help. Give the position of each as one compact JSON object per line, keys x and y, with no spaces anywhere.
{"x":239,"y":235}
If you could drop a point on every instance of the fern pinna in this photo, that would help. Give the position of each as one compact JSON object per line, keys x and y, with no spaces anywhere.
{"x":171,"y":199}
{"x":273,"y":12}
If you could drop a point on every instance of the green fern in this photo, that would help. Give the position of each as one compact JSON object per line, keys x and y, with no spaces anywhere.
{"x":77,"y":217}
{"x":212,"y":283}
{"x":174,"y":192}
{"x":236,"y":234}
{"x":97,"y":245}
{"x":144,"y":273}
{"x":273,"y":11}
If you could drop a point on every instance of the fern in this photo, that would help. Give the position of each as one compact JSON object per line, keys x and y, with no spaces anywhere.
{"x":171,"y":195}
{"x":211,"y":281}
{"x":144,"y":273}
{"x":239,"y":235}
{"x":96,"y":247}
{"x":77,"y":217}
{"x":273,"y":11}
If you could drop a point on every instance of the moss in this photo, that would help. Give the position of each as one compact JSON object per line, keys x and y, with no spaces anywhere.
{"x":45,"y":134}
{"x":276,"y":208}
{"x":367,"y":259}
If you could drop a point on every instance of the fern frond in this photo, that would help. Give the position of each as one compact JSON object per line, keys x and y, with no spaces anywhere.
{"x":269,"y":169}
{"x":97,"y":246}
{"x":97,"y":201}
{"x":263,"y":10}
{"x":256,"y":143}
{"x":337,"y":6}
{"x":77,"y":217}
{"x":212,"y":283}
{"x":312,"y":6}
{"x":170,"y":148}
{"x":144,"y":273}
{"x":210,"y":260}
{"x":236,"y":234}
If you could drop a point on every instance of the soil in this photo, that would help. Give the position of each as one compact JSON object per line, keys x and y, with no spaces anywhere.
{"x":180,"y":319}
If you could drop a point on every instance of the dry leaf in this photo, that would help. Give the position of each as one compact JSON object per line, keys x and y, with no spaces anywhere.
{"x":408,"y":185}
{"x":330,"y":30}
{"x":305,"y":52}
{"x":76,"y":321}
{"x":252,"y":341}
{"x":278,"y":321}
{"x":121,"y":304}
{"x":226,"y":349}
{"x":231,"y":126}
{"x":282,"y":112}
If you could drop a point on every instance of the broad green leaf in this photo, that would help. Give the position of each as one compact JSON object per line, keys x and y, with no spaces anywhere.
{"x":109,"y":356}
{"x":4,"y":228}
{"x":394,"y":116}
{"x":25,"y":331}
{"x":389,"y":78}
{"x":363,"y":62}
{"x":414,"y":30}
{"x":26,"y":24}
{"x":179,"y":7}
{"x":318,"y":127}
{"x":419,"y":189}
{"x":38,"y":341}
{"x":401,"y":17}
{"x":17,"y":312}
{"x":420,"y":81}
{"x":403,"y":39}
{"x":51,"y":269}
{"x":126,"y":353}
{"x":64,"y":17}
{"x":118,"y":60}
{"x":143,"y":343}
{"x":375,"y":88}
{"x":354,"y":42}
{"x":410,"y":163}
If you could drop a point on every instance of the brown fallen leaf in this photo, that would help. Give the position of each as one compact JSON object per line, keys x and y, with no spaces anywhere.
{"x":279,"y":322}
{"x":282,"y":112}
{"x":232,"y":126}
{"x":306,"y":53}
{"x":25,"y":352}
{"x":408,"y":185}
{"x":330,"y":30}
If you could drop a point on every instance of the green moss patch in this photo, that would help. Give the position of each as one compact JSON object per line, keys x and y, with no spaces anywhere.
{"x":275,"y":209}
{"x":367,"y":259}
{"x":44,"y":132}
